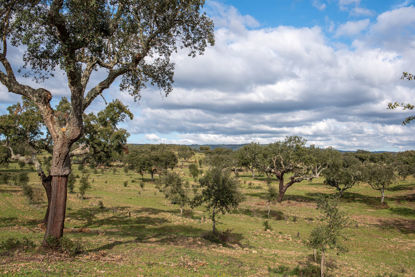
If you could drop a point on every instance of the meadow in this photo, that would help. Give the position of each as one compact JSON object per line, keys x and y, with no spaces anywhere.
{"x":127,"y":229}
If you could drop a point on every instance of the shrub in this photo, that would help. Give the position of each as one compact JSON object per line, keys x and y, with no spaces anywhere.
{"x":64,"y":244}
{"x":267,"y":226}
{"x":81,"y":167}
{"x":84,"y":185}
{"x":125,"y":183}
{"x":101,"y":205}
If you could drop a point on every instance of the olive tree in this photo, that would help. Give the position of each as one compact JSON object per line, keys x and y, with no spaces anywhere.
{"x":176,"y":190}
{"x":184,"y":152}
{"x":344,"y":173}
{"x":290,"y":158}
{"x":328,"y":234}
{"x":219,"y":193}
{"x":379,"y":177}
{"x":249,"y":155}
{"x":127,"y":40}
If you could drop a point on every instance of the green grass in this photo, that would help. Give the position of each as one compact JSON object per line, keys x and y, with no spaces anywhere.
{"x":141,"y":234}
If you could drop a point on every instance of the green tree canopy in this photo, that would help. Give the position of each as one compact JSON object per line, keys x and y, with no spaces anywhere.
{"x":220,"y":192}
{"x":127,"y":40}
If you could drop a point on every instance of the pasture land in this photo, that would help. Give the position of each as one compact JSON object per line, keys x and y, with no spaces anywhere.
{"x":134,"y":231}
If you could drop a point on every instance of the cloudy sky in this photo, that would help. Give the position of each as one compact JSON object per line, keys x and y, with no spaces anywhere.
{"x":321,"y":69}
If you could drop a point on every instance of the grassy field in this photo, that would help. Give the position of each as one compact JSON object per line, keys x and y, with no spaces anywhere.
{"x":138,"y":233}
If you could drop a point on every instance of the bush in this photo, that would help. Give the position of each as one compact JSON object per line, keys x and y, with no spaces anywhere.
{"x":125,"y":169}
{"x":267,"y":226}
{"x":101,"y":205}
{"x":81,"y":167}
{"x":125,"y":183}
{"x":13,"y":244}
{"x":84,"y":185}
{"x":72,"y":248}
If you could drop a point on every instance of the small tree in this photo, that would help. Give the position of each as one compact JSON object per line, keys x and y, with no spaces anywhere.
{"x":175,"y":190}
{"x":248,"y":156}
{"x":194,"y":171}
{"x":185,"y":152}
{"x":219,"y":193}
{"x":343,"y":174}
{"x":84,"y":185}
{"x":326,"y":236}
{"x":379,"y":177}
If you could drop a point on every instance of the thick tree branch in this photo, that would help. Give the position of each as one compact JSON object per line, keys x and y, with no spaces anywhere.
{"x":81,"y":150}
{"x":98,"y":89}
{"x":28,"y":160}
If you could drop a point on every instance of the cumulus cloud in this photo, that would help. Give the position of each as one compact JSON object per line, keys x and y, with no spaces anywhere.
{"x":354,"y":8}
{"x":262,"y":84}
{"x":352,"y":28}
{"x":267,"y":83}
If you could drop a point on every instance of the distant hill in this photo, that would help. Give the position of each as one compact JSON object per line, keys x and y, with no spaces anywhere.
{"x":237,"y":146}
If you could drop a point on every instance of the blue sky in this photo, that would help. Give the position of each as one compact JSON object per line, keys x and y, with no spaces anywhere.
{"x":321,"y":69}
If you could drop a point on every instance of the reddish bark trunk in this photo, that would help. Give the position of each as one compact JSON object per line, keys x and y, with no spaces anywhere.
{"x":57,"y":210}
{"x":46,"y":182}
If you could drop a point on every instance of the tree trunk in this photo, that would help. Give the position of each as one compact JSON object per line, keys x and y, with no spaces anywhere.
{"x":57,"y":208}
{"x":46,"y":182}
{"x":181,"y":211}
{"x":382,"y":191}
{"x":341,"y":193}
{"x":253,"y":172}
{"x":60,"y":169}
{"x":315,"y":255}
{"x":152,"y":175}
{"x":322,"y":264}
{"x":213,"y":221}
{"x":281,"y":188}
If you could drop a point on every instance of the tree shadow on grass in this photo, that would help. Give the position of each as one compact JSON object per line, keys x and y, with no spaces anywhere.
{"x":405,"y":226}
{"x":277,"y":215}
{"x":403,"y":211}
{"x":401,"y":187}
{"x":118,"y":216}
{"x":350,"y":197}
{"x":166,"y":235}
{"x":408,"y":197}
{"x":14,"y":221}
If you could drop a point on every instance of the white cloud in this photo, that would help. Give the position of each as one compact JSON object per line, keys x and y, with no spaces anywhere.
{"x":352,"y":28}
{"x":262,"y":84}
{"x":319,"y":5}
{"x":354,"y":8}
{"x":359,"y":11}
